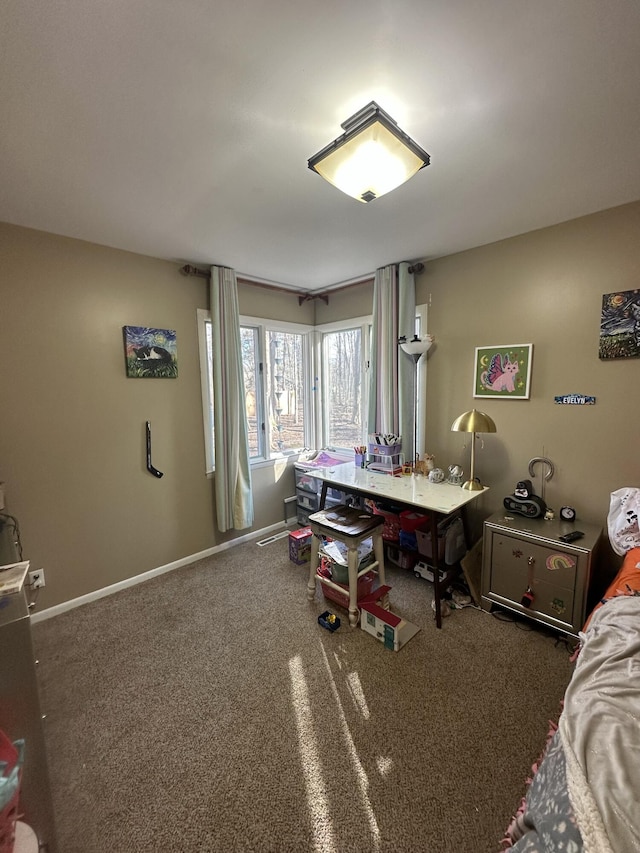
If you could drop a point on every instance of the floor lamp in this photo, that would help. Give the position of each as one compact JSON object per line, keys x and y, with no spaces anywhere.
{"x":416,"y":348}
{"x":473,"y":422}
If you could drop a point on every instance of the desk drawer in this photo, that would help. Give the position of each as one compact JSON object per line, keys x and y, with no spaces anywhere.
{"x":307,"y":500}
{"x":307,"y":482}
{"x":551,"y":574}
{"x":530,"y":562}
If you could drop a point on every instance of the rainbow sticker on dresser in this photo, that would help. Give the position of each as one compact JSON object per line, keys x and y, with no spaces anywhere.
{"x":560,"y":561}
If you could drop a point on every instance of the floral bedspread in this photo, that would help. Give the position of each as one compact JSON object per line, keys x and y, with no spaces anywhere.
{"x":547,"y":822}
{"x":584,"y":795}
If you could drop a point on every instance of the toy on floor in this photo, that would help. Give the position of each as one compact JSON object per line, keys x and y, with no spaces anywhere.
{"x":329,"y":621}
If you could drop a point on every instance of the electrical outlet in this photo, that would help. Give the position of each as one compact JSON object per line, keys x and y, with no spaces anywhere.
{"x":36,"y":578}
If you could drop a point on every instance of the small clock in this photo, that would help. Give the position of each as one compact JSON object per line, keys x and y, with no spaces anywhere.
{"x":567,"y":513}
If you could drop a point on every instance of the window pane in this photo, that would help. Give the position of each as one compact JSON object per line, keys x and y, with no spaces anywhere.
{"x":210,"y":436}
{"x":250,"y":360}
{"x":343,"y":391}
{"x":285,"y":391}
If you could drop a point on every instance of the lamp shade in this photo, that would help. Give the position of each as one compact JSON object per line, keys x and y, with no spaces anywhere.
{"x":418,"y":346}
{"x":371,"y":158}
{"x":473,"y":421}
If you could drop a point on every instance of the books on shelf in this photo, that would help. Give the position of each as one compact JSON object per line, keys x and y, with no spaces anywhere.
{"x":12,"y":577}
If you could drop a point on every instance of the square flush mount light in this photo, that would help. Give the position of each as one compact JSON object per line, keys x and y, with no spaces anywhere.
{"x":371,"y":158}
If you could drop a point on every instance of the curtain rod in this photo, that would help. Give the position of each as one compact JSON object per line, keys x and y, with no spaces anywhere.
{"x":303,"y":295}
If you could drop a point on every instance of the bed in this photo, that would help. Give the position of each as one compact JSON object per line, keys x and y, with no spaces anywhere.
{"x":583,"y":795}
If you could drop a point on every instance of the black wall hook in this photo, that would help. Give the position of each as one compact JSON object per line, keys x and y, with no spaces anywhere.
{"x":150,"y":467}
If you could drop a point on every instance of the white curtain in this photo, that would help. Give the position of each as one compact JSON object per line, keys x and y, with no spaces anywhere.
{"x":383,"y":381}
{"x":232,"y":478}
{"x":391,"y":388}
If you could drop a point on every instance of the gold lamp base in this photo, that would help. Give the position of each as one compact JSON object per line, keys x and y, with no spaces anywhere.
{"x":473,"y":486}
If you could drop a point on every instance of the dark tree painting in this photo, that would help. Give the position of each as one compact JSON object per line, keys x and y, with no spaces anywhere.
{"x":620,"y":325}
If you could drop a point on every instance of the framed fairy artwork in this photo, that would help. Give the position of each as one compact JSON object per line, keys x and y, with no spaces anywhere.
{"x":503,"y":372}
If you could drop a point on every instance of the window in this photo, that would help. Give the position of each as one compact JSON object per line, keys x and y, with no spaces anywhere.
{"x":304,"y":386}
{"x":345,"y":350}
{"x":344,"y":385}
{"x":274,"y":379}
{"x":276,"y":372}
{"x":206,"y":379}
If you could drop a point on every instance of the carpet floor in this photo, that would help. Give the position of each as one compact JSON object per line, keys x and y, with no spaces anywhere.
{"x":206,"y":710}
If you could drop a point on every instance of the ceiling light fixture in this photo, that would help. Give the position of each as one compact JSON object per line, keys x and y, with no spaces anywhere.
{"x":371,"y":158}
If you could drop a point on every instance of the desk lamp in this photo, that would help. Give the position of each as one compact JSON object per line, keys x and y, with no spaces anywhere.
{"x":473,"y":422}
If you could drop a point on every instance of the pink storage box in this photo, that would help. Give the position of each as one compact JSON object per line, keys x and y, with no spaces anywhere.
{"x":300,"y":546}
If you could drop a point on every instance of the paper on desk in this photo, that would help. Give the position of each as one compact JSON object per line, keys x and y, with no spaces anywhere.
{"x":12,"y":577}
{"x":338,"y":551}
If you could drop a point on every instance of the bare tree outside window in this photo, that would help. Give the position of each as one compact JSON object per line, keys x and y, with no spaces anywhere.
{"x":285,"y":390}
{"x":343,"y":392}
{"x":250,"y":349}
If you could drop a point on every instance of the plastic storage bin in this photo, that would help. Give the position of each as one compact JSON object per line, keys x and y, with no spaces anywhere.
{"x":385,"y":449}
{"x":365,"y":585}
{"x":391,"y":528}
{"x":400,"y":558}
{"x":451,"y":542}
{"x":412,"y":521}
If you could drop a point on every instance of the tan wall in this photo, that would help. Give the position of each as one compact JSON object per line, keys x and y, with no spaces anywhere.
{"x":72,"y":433}
{"x":255,"y":301}
{"x":355,"y":301}
{"x":72,"y":424}
{"x":543,"y":288}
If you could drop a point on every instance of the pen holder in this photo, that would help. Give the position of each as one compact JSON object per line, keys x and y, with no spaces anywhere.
{"x":359,"y":460}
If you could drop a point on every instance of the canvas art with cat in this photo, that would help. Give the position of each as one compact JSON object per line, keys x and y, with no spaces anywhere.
{"x":501,"y":376}
{"x":503,"y":371}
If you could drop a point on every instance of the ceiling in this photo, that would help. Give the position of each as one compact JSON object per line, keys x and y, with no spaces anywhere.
{"x":182,"y":129}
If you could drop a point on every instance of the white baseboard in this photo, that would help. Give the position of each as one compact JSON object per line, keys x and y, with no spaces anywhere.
{"x":152,"y":573}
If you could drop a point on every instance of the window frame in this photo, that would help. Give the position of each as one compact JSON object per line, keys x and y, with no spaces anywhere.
{"x":203,"y":316}
{"x":314,"y":381}
{"x":364,"y":323}
{"x":261,"y":326}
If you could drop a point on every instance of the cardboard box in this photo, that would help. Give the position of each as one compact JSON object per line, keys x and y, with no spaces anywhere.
{"x":300,"y":546}
{"x":391,"y":630}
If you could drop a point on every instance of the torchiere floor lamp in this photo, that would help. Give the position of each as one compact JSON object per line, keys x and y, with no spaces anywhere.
{"x":416,"y":348}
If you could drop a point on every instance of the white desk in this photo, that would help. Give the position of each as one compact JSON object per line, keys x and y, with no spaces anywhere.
{"x":433,"y":499}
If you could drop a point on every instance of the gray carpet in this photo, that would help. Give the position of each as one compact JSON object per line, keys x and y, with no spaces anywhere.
{"x":206,"y":710}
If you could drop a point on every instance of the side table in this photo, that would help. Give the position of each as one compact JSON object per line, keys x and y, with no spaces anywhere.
{"x":527,"y":569}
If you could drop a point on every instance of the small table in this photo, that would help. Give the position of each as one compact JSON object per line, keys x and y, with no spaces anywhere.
{"x":351,"y":527}
{"x":528,"y":569}
{"x":435,"y":500}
